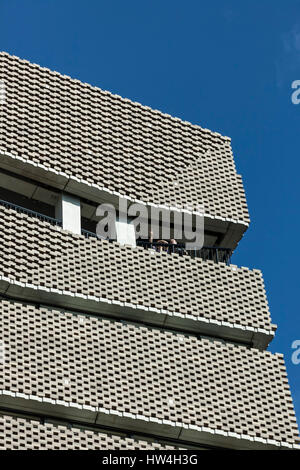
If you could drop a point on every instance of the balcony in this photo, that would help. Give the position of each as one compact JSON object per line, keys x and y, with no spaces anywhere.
{"x":207,"y":253}
{"x":94,"y":370}
{"x":41,"y":261}
{"x":152,"y":158}
{"x":30,"y":213}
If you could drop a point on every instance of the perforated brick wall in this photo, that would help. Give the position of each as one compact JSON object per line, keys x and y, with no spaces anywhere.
{"x":106,"y":140}
{"x":142,"y":371}
{"x":36,"y":252}
{"x":29,"y":434}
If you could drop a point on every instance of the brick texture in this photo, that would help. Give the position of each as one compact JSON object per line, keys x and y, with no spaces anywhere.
{"x":101,"y":138}
{"x":150,"y":372}
{"x":36,"y":252}
{"x":29,"y":434}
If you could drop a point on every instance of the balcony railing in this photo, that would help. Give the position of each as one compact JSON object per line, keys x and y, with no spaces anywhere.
{"x":89,"y":234}
{"x":216,"y":254}
{"x":31,"y":213}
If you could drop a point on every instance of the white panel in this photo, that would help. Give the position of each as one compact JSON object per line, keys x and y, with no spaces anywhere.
{"x":68,"y":210}
{"x":125,"y":233}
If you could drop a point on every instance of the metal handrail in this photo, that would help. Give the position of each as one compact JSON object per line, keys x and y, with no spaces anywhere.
{"x":213,"y":253}
{"x":88,"y":234}
{"x":30,"y":212}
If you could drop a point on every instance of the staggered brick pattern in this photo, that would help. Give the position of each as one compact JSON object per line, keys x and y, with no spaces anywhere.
{"x":36,"y":252}
{"x":113,"y":142}
{"x":149,"y":372}
{"x":28,"y":434}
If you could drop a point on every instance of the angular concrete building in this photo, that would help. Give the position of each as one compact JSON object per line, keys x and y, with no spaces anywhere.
{"x":125,"y":344}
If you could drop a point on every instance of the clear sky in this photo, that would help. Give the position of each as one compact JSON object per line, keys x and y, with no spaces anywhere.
{"x":226,"y":65}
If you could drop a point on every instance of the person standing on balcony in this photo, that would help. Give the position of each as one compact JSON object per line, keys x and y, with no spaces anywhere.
{"x":150,"y":240}
{"x":173,"y":244}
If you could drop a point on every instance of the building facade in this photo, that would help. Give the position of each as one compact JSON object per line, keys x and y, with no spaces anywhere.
{"x":125,"y":344}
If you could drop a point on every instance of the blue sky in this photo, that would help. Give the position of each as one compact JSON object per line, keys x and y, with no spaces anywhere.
{"x":226,"y":65}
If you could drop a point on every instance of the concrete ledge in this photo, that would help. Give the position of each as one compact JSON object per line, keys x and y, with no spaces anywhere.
{"x":195,"y":324}
{"x":127,"y":421}
{"x":233,"y":229}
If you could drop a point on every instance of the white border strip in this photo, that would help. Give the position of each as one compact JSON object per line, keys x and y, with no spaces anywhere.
{"x":195,"y":318}
{"x":243,"y":438}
